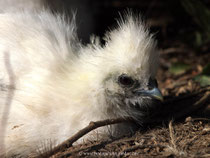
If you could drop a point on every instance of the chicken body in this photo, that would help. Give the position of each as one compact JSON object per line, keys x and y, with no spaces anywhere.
{"x":51,"y":86}
{"x":15,"y":5}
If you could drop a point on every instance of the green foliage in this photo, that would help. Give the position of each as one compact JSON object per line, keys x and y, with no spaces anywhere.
{"x":206,"y":70}
{"x":178,"y":68}
{"x":204,"y":77}
{"x":204,"y":80}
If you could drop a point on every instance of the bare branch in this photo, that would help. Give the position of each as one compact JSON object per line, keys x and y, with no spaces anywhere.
{"x":82,"y":132}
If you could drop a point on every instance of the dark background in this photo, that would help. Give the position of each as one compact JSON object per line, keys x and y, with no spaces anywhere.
{"x":171,"y":21}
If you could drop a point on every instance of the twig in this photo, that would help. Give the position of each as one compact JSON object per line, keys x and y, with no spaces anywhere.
{"x":196,"y":119}
{"x":171,"y":132}
{"x":82,"y":132}
{"x":87,"y":149}
{"x":175,"y":50}
{"x":174,"y":148}
{"x":206,"y":89}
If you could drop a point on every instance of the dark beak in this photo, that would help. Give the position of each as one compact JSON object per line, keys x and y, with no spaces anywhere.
{"x":153,"y":93}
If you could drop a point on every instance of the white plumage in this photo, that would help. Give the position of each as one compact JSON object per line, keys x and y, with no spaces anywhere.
{"x":17,"y":5}
{"x":52,"y":86}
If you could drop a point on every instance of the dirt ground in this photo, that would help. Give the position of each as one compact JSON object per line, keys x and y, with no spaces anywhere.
{"x":181,"y":128}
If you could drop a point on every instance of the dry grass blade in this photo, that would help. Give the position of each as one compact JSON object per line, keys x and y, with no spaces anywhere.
{"x":173,"y":148}
{"x":172,"y":136}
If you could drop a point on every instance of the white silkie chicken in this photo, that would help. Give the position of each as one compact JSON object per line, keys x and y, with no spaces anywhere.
{"x":51,"y":85}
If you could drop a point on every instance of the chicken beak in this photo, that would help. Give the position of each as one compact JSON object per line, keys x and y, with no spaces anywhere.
{"x":154,"y":93}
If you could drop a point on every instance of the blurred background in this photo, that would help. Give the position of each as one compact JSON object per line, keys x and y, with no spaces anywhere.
{"x":185,"y":20}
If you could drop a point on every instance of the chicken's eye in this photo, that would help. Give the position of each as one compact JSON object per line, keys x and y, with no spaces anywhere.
{"x":125,"y":80}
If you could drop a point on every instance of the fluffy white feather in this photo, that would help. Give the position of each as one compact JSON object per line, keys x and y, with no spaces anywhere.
{"x":17,"y":5}
{"x":52,"y":86}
